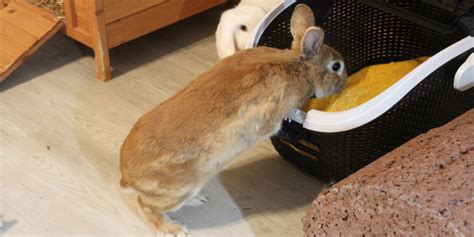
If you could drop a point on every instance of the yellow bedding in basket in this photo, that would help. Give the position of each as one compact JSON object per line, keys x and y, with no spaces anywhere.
{"x":364,"y":85}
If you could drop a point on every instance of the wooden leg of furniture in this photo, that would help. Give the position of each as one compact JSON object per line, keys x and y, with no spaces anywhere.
{"x":102,"y":62}
{"x":99,"y":40}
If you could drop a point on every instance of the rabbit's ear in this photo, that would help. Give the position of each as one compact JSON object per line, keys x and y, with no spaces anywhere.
{"x":302,"y":19}
{"x":225,"y":35}
{"x":312,"y":42}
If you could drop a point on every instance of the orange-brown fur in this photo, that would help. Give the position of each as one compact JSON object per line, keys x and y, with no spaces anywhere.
{"x":175,"y":148}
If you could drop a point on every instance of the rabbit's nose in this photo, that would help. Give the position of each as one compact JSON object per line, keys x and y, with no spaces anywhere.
{"x":340,"y":86}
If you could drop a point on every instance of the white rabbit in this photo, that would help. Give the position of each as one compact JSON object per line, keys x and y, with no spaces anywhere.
{"x":237,"y":24}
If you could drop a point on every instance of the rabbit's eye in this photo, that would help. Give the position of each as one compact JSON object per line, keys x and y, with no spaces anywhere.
{"x":336,"y":66}
{"x":243,"y":28}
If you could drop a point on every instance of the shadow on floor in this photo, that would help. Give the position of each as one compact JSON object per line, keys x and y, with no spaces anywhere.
{"x":165,"y":41}
{"x":55,"y":53}
{"x":61,"y":50}
{"x":6,"y":226}
{"x":266,"y":186}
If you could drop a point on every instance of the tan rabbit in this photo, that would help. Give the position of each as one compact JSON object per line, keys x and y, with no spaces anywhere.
{"x":174,"y":149}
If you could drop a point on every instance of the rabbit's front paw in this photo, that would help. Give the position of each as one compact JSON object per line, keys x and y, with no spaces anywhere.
{"x":197,"y":200}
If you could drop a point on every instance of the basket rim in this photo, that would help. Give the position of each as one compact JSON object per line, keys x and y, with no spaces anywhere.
{"x":266,"y":20}
{"x":378,"y":105}
{"x":331,"y":122}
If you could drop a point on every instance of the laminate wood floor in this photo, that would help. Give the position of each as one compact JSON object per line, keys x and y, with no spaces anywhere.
{"x":61,"y":130}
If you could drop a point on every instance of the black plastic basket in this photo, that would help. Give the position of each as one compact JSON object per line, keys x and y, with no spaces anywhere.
{"x":374,"y":32}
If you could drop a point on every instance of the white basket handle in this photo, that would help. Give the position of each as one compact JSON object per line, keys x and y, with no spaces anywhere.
{"x":464,"y":78}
